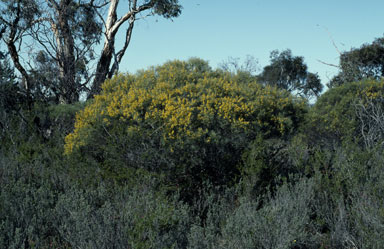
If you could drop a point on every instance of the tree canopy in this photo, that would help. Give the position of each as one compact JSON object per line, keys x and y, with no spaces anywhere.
{"x":361,"y":63}
{"x":60,"y":37}
{"x":290,"y":73}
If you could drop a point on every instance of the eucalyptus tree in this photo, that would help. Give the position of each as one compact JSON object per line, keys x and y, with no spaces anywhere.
{"x":290,"y":73}
{"x":367,"y":61}
{"x":52,"y":43}
{"x":113,"y":23}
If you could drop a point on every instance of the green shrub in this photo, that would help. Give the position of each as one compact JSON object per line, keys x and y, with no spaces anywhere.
{"x":346,"y":211}
{"x":39,"y":209}
{"x":282,"y":222}
{"x":121,"y":218}
{"x":27,"y":202}
{"x":213,"y":207}
{"x":334,"y":118}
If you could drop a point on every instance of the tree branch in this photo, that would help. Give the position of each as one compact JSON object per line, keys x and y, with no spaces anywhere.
{"x":129,"y":14}
{"x":329,"y":64}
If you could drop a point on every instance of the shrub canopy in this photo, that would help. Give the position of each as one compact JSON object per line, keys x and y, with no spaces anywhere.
{"x":183,"y":117}
{"x":335,"y":116}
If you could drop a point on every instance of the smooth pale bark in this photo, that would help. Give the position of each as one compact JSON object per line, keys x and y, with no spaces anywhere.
{"x":54,"y":29}
{"x":112,"y":25}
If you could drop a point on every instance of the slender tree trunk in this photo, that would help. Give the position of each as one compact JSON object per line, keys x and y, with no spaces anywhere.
{"x":10,"y":42}
{"x":111,"y":27}
{"x":26,"y":79}
{"x":102,"y":68}
{"x":66,"y":62}
{"x":104,"y":62}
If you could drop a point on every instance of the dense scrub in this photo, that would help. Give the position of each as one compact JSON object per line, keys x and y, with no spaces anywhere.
{"x":343,"y":112}
{"x":184,"y":156}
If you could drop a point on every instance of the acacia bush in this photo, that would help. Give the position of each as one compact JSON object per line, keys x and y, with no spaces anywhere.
{"x":181,"y":119}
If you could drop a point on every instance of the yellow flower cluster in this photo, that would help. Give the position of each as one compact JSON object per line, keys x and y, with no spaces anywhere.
{"x":181,"y":110}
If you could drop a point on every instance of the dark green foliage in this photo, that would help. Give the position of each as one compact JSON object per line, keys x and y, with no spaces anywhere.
{"x":268,"y":163}
{"x":7,"y":75}
{"x":121,"y":218}
{"x":346,"y":212}
{"x":361,"y":63}
{"x":27,"y":200}
{"x":264,"y":162}
{"x":11,"y":97}
{"x":40,"y":209}
{"x":290,"y":73}
{"x":167,"y":8}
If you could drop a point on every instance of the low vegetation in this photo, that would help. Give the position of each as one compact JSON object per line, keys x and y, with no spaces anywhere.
{"x":185,"y":156}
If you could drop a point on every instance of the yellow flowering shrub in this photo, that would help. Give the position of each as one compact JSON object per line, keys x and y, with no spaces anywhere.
{"x":181,"y":114}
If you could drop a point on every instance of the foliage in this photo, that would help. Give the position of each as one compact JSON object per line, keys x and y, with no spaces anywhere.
{"x":121,"y":218}
{"x":216,"y":206}
{"x":361,"y":63}
{"x":36,"y":134}
{"x":348,"y":188}
{"x":290,"y":73}
{"x":9,"y":96}
{"x":40,"y":207}
{"x":167,"y":8}
{"x":267,"y":163}
{"x":181,"y":119}
{"x":280,"y":223}
{"x":6,"y":70}
{"x":334,"y":117}
{"x":184,"y":156}
{"x":27,"y":200}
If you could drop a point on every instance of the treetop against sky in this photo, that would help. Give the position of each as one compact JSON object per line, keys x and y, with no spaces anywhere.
{"x":214,"y":31}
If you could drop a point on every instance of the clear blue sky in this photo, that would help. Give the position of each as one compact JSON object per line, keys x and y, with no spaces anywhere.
{"x":215,"y":30}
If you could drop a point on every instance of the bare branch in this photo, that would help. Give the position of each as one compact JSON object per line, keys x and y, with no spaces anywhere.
{"x":333,"y":40}
{"x":328,"y":64}
{"x":371,"y":115}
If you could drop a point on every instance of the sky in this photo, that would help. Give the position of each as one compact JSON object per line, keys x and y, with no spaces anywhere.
{"x":215,"y":30}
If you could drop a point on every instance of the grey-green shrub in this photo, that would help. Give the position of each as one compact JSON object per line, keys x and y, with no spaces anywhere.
{"x":26,"y":207}
{"x":279,"y":223}
{"x":127,"y":218}
{"x":216,"y":205}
